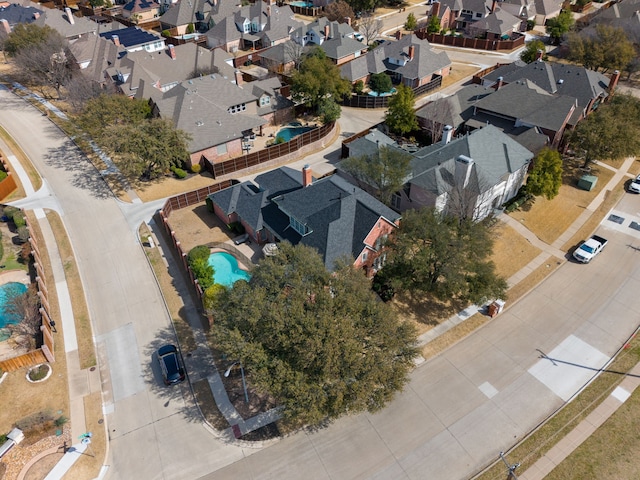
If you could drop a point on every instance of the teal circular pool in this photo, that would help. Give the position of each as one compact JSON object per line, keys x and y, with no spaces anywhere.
{"x":226,"y":270}
{"x":9,"y":291}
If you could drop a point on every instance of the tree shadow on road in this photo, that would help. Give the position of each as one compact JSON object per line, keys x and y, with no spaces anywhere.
{"x":84,"y":174}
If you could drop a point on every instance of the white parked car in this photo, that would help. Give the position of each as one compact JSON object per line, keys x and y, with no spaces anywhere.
{"x":634,"y":186}
{"x":358,"y":36}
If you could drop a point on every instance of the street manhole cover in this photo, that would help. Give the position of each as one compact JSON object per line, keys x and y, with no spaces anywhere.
{"x":635,"y":226}
{"x":616,"y":219}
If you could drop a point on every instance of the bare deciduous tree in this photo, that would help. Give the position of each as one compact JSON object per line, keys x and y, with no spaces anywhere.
{"x":46,"y":64}
{"x":81,"y":89}
{"x":25,"y":307}
{"x":293,"y":52}
{"x":370,"y":27}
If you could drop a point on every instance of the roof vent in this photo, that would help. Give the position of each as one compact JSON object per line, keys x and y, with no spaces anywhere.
{"x":560,"y":81}
{"x":199,"y":123}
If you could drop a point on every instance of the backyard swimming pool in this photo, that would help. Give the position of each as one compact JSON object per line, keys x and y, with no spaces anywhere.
{"x":385,"y":94}
{"x":226,"y":269}
{"x":289,"y":132}
{"x":8,"y":291}
{"x":301,"y":4}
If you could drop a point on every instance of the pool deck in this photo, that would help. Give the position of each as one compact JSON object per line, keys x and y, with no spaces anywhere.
{"x":19,"y":276}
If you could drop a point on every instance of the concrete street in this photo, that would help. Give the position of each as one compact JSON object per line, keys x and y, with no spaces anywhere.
{"x":460,"y":409}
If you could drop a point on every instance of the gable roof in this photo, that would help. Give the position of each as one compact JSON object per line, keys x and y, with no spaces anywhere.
{"x":15,"y":14}
{"x":99,"y":52}
{"x":455,"y":109}
{"x":68,"y":28}
{"x":159,"y":69}
{"x":199,"y":107}
{"x":562,"y":79}
{"x":525,"y":102}
{"x":338,"y":215}
{"x":132,"y":36}
{"x":384,"y":58}
{"x":499,"y":22}
{"x":494,"y":153}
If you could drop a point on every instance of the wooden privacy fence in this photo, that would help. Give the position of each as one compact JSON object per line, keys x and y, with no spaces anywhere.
{"x":368,"y":101}
{"x":46,"y":351}
{"x":464,"y":42}
{"x":191,"y":198}
{"x":268,"y":154}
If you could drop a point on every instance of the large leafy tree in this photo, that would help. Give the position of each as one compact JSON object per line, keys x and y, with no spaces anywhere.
{"x":318,"y":78}
{"x":531,"y":50}
{"x":142,"y":147}
{"x":380,"y":82}
{"x":386,"y":171}
{"x":610,"y":48}
{"x":558,"y":26}
{"x":319,"y":343}
{"x":443,"y":256}
{"x":25,"y":35}
{"x":150,"y":150}
{"x":401,"y":116}
{"x":611,"y":132}
{"x":546,"y":177}
{"x":434,"y":24}
{"x":411,"y":23}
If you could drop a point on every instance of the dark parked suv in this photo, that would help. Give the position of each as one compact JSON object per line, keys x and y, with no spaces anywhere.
{"x":170,"y":364}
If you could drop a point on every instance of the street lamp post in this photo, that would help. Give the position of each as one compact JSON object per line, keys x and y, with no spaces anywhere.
{"x":511,"y":468}
{"x":244,"y":383}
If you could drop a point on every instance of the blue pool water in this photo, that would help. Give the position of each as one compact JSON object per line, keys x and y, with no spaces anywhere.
{"x":288,"y":133}
{"x":226,"y":270}
{"x":385,"y":94}
{"x":8,"y":291}
{"x":302,"y":4}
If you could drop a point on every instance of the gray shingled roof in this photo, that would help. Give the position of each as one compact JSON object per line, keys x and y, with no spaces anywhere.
{"x":562,"y":79}
{"x":58,"y":20}
{"x":525,"y":101}
{"x":338,"y":215}
{"x":101,"y":53}
{"x":455,"y":109}
{"x":199,"y":107}
{"x":15,"y":14}
{"x":494,"y":153}
{"x":499,"y":22}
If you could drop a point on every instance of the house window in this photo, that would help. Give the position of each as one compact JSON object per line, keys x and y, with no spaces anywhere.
{"x":479,"y":15}
{"x":365,"y":255}
{"x":265,"y":100}
{"x":297,"y":226}
{"x":237,"y":108}
{"x":395,"y":201}
{"x":221,"y":149}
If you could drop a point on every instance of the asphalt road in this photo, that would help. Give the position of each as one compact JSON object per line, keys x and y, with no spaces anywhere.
{"x":458,"y":412}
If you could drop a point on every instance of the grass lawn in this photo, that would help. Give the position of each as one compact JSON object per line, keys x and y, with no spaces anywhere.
{"x":549,"y":219}
{"x":511,"y":251}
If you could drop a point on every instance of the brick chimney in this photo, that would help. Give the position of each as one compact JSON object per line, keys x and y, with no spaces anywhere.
{"x":116,"y":40}
{"x":327,"y":29}
{"x":70,"y":18}
{"x":347,"y":20}
{"x":5,"y":25}
{"x":36,"y":15}
{"x":172,"y":51}
{"x":613,"y":81}
{"x":307,"y":176}
{"x":412,"y":51}
{"x":268,"y":10}
{"x":493,"y":6}
{"x":398,"y":35}
{"x":499,"y":83}
{"x":539,"y":55}
{"x":435,"y":10}
{"x":238,"y":75}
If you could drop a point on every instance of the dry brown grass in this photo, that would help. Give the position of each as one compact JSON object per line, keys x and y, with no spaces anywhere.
{"x":549,"y":219}
{"x":511,"y":251}
{"x":534,"y":278}
{"x":84,"y":332}
{"x":26,"y":398}
{"x":89,"y":464}
{"x":207,"y":405}
{"x":172,"y":298}
{"x":169,"y":186}
{"x":453,"y":336}
{"x":459,"y":71}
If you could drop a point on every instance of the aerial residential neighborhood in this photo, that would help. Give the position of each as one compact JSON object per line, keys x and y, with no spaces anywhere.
{"x":319,"y":239}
